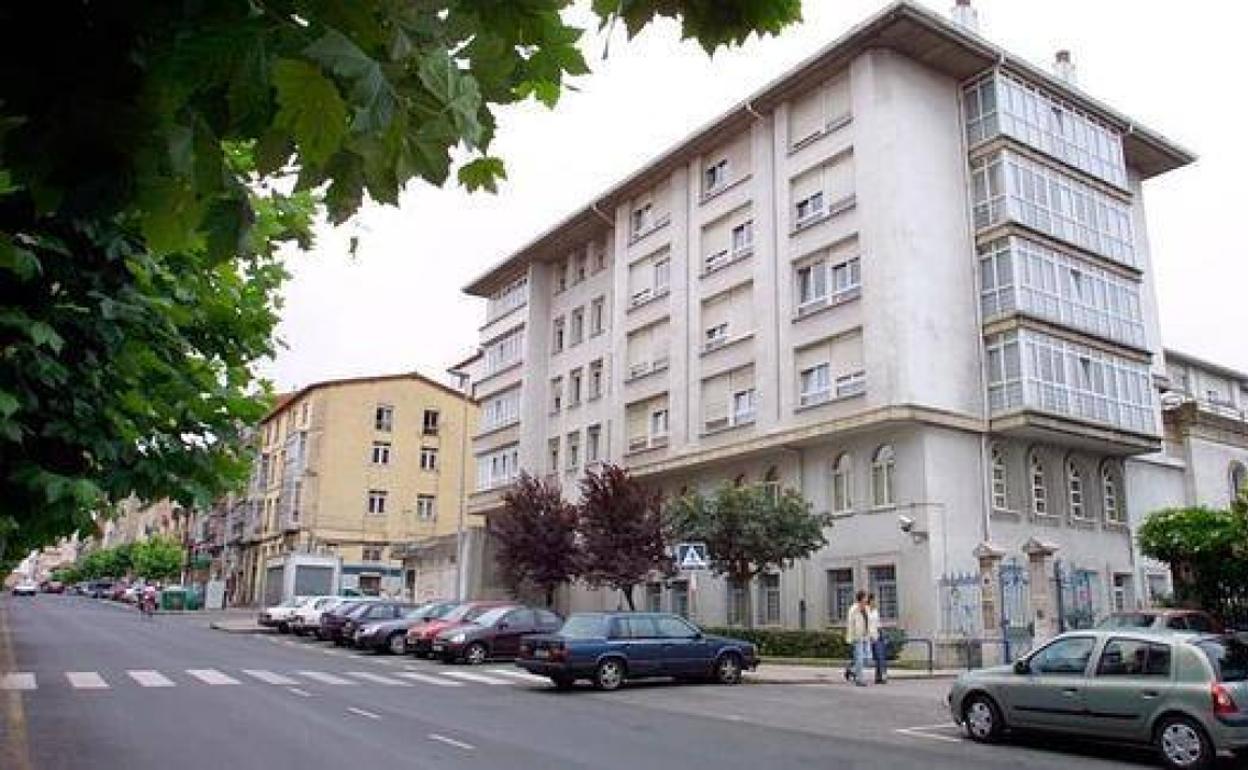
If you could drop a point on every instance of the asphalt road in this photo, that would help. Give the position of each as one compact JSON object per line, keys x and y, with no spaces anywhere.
{"x":88,"y":685}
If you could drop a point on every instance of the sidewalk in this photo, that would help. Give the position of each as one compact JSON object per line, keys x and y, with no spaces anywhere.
{"x":832,"y":673}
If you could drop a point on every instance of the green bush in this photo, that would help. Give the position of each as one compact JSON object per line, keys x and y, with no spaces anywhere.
{"x":787,"y":643}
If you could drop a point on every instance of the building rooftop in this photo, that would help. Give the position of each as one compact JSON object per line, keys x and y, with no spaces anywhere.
{"x":286,"y":399}
{"x":1178,"y":356}
{"x":917,"y":32}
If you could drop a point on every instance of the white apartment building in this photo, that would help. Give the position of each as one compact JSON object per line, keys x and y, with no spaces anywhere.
{"x":910,"y":278}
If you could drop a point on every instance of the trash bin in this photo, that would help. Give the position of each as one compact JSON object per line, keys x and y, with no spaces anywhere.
{"x":173,"y":599}
{"x":194,"y":599}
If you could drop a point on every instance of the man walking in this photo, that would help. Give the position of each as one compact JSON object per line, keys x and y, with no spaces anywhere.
{"x":857,"y":634}
{"x":879,"y":645}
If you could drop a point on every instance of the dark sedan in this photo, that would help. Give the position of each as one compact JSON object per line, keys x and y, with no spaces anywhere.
{"x":370,"y":612}
{"x":391,"y":635}
{"x":494,"y":634}
{"x":333,"y":620}
{"x":609,"y":647}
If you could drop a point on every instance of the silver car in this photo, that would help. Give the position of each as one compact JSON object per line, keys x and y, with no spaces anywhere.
{"x":1187,"y":695}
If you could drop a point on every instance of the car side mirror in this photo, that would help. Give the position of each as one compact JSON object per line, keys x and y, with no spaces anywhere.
{"x":1021,"y":667}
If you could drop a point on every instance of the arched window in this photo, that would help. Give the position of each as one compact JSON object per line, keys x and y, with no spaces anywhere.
{"x":771,"y":484}
{"x":1000,"y":485}
{"x":1239,"y":479}
{"x":1039,"y":493}
{"x":1114,"y":513}
{"x":1074,"y":490}
{"x":842,"y":499}
{"x":883,"y":483}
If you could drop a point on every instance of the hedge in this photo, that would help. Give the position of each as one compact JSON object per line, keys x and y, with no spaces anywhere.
{"x":785,"y":643}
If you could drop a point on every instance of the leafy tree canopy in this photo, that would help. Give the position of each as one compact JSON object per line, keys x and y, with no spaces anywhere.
{"x":621,"y":529}
{"x":1207,"y":550}
{"x":536,"y":537}
{"x":154,"y":156}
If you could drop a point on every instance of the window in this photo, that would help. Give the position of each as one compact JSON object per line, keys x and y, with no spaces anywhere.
{"x":812,"y":285}
{"x":578,"y":326}
{"x":595,"y":379}
{"x":497,"y":468}
{"x":1114,"y":513}
{"x":1074,"y":489}
{"x":840,"y":594}
{"x":680,"y":598}
{"x":654,"y":603}
{"x":377,"y":501}
{"x":561,"y":276}
{"x":381,"y":453}
{"x":1000,"y":483}
{"x":556,"y":394}
{"x":556,"y":341}
{"x":669,"y":627}
{"x":383,"y":418}
{"x":643,"y":219}
{"x":715,"y":176}
{"x":769,"y":600}
{"x":508,"y":298}
{"x":726,"y":315}
{"x":729,"y":399}
{"x":1122,"y":588}
{"x":822,"y":191}
{"x":371,"y":553}
{"x":1238,"y":477}
{"x":428,"y":458}
{"x":743,"y":407}
{"x":593,"y":444}
{"x":504,"y":352}
{"x":809,"y":208}
{"x":552,"y":451}
{"x":658,"y":423}
{"x":502,"y":409}
{"x":816,"y":384}
{"x":574,"y":386}
{"x":837,"y":359}
{"x":425,"y":510}
{"x":648,"y":278}
{"x":574,"y":450}
{"x":736,"y":603}
{"x":646,"y":424}
{"x":1039,"y":493}
{"x":1069,"y":655}
{"x":600,"y":256}
{"x":842,"y":490}
{"x":818,"y":112}
{"x":303,"y":414}
{"x":742,"y":238}
{"x":430,"y":423}
{"x":648,"y":350}
{"x":582,"y":266}
{"x":882,"y":581}
{"x":883,"y":483}
{"x":597,"y":316}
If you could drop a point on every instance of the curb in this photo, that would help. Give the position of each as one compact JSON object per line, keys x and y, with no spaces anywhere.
{"x":227,"y":628}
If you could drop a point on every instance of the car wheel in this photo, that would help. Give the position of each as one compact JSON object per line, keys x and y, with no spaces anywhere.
{"x":563,"y":682}
{"x":283,"y":628}
{"x":397,"y":644}
{"x":1183,"y":744}
{"x":982,"y":719}
{"x":609,"y":675}
{"x":475,"y":654}
{"x":728,"y":668}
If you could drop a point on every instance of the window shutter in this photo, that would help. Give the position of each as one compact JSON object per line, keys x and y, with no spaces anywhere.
{"x":836,"y":100}
{"x":847,"y":354}
{"x":740,"y":311}
{"x":715,"y":401}
{"x":743,"y":379}
{"x":738,"y":154}
{"x":640,"y":276}
{"x":638,"y":421}
{"x":662,"y":201}
{"x":839,"y":179}
{"x":639,"y":346}
{"x":805,"y":116}
{"x":716,"y":311}
{"x":812,"y":356}
{"x":715,"y":237}
{"x":806,"y":185}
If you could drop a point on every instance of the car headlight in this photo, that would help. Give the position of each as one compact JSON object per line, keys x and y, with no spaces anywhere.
{"x":458,"y":638}
{"x":368,"y":629}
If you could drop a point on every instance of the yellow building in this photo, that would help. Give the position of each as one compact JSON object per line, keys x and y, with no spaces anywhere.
{"x":371,"y":470}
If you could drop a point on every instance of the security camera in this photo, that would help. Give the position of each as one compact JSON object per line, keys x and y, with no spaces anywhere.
{"x":906,"y":523}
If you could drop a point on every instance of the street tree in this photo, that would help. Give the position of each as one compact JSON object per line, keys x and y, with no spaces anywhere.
{"x":156,"y":156}
{"x":749,"y":530}
{"x":621,"y":528}
{"x":536,"y":538}
{"x":158,"y":558}
{"x":1207,"y":551}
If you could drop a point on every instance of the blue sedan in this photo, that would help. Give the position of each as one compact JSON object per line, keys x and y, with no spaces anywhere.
{"x":608,"y":647}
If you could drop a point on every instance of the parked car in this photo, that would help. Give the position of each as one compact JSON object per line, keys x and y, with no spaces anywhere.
{"x":420,"y":636}
{"x":1197,"y":621}
{"x":53,"y":587}
{"x":26,"y":588}
{"x":391,"y":635}
{"x":1186,"y":695}
{"x":494,"y":634}
{"x":371,"y":612}
{"x":279,"y":615}
{"x":609,"y":647}
{"x":100,"y":589}
{"x":307,"y":619}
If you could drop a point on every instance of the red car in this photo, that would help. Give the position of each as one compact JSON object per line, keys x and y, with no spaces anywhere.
{"x":420,"y":636}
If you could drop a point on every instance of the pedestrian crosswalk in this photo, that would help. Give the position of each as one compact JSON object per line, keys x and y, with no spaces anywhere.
{"x":212,"y":677}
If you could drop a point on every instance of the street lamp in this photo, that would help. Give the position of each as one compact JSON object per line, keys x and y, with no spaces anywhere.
{"x":463,"y":499}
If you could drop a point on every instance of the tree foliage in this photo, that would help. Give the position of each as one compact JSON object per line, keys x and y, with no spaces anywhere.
{"x":155,"y":156}
{"x":749,"y":529}
{"x":621,"y":528}
{"x":158,"y":559}
{"x":536,"y":538}
{"x":1207,"y":550}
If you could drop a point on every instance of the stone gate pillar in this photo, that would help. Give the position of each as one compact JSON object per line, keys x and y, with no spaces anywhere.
{"x":989,"y":558}
{"x":1040,"y":581}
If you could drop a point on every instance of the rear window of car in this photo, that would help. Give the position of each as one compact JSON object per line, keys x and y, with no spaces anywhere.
{"x":1229,"y":658}
{"x":584,"y":627}
{"x":1128,"y":620}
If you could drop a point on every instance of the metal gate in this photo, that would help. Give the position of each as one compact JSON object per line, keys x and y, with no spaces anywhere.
{"x":1017,"y":627}
{"x":961,"y":605}
{"x":1078,"y":596}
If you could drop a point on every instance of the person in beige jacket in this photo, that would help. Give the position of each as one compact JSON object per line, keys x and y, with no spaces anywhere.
{"x":858,"y":636}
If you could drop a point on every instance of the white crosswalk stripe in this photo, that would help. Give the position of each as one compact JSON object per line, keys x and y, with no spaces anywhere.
{"x":415,"y":677}
{"x":17,"y":680}
{"x":368,"y":676}
{"x":469,"y":676}
{"x":523,"y":676}
{"x":323,"y":678}
{"x":86,"y":680}
{"x":151,"y":678}
{"x":268,"y":677}
{"x":211,"y":676}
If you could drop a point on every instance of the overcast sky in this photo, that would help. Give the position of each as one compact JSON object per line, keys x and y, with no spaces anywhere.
{"x":1175,"y":67}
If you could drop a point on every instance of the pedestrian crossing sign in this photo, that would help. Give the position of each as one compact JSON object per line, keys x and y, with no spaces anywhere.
{"x":691,"y":556}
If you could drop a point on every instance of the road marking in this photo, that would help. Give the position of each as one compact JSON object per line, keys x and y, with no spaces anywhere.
{"x":451,"y":742}
{"x":378,"y":678}
{"x":919,"y":732}
{"x":86,"y":680}
{"x":211,"y":676}
{"x":415,"y":677}
{"x":268,"y":677}
{"x":322,"y":677}
{"x":523,"y":676}
{"x":468,"y":676}
{"x":363,"y":713}
{"x":18,"y":681}
{"x":151,"y":678}
{"x":301,"y":693}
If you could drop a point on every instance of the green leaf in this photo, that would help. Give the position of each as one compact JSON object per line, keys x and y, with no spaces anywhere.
{"x":372,"y":96}
{"x":310,"y":109}
{"x":8,"y":404}
{"x":456,"y":90}
{"x":18,"y":261}
{"x":7,"y":185}
{"x":482,"y":174}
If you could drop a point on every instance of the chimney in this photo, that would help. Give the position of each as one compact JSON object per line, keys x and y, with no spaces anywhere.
{"x":1064,"y":68}
{"x":965,"y":15}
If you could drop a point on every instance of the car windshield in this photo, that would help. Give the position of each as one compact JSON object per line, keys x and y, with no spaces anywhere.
{"x":1229,"y":657}
{"x":584,"y":627}
{"x":435,"y":610}
{"x":290,"y":603}
{"x":1127,"y":620}
{"x":466,"y":612}
{"x":490,"y":617}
